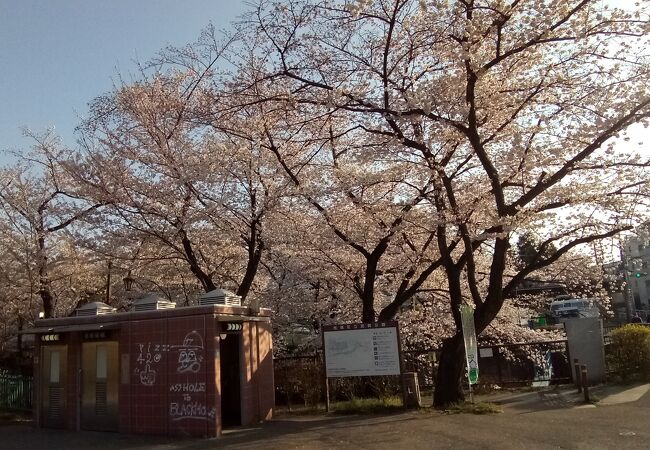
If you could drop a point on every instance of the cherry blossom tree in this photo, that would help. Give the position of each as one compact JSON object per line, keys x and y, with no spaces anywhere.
{"x":201,"y":196}
{"x":40,"y":203}
{"x":370,"y":156}
{"x":512,"y":107}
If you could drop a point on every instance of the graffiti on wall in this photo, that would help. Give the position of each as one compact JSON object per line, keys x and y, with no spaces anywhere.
{"x":187,"y":396}
{"x":190,"y":358}
{"x":189,"y":409}
{"x":149,"y":355}
{"x":190,"y":353}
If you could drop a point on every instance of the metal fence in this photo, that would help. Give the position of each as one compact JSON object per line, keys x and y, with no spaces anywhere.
{"x":15,"y":392}
{"x":300,"y":378}
{"x":504,"y":365}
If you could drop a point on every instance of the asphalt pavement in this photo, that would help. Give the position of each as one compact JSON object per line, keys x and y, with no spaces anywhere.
{"x":548,"y":419}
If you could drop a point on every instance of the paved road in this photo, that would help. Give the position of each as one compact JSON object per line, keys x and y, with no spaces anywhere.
{"x":554,"y":420}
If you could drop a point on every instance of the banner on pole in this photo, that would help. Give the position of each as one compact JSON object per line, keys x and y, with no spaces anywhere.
{"x":471,"y":347}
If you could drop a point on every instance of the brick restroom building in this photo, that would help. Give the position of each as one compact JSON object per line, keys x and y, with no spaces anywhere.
{"x":156,"y":369}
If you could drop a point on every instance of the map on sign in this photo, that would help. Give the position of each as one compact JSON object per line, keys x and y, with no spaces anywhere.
{"x":362,"y":351}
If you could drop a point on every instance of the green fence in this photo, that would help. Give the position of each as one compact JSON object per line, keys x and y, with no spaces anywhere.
{"x":15,"y":392}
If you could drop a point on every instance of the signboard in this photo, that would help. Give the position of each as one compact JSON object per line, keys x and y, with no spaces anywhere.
{"x":469,"y":336}
{"x":359,"y":350}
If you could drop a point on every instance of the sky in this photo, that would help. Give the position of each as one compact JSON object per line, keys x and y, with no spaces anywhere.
{"x":57,"y":55}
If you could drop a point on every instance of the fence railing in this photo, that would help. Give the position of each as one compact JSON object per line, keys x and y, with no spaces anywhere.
{"x":15,"y":392}
{"x":301,"y":377}
{"x":504,"y":364}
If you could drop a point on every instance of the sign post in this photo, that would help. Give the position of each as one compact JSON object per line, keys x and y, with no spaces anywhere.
{"x":471,"y":352}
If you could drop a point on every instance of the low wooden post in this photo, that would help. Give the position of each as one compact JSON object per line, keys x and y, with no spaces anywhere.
{"x":585,"y":385}
{"x":576,"y":365}
{"x":327,"y":381}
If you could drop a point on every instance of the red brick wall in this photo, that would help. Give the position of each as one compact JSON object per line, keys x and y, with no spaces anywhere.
{"x":126,"y":375}
{"x":265,"y":371}
{"x":148,"y":356}
{"x":187,"y":406}
{"x":173,"y":376}
{"x":73,"y":390}
{"x":169,"y":381}
{"x":212,"y":377}
{"x":257,"y":391}
{"x":249,"y":411}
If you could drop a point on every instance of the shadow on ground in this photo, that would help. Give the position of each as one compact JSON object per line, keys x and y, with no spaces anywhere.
{"x":308,"y":430}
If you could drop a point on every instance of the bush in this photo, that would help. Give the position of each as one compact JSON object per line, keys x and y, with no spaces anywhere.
{"x":299,"y":379}
{"x":345,"y":389}
{"x":629,"y":351}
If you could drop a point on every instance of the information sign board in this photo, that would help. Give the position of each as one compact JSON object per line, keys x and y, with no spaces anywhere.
{"x":357,"y":350}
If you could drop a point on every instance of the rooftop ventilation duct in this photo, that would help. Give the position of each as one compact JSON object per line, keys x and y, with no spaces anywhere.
{"x":95,"y":309}
{"x":152,"y":302}
{"x":220,"y":297}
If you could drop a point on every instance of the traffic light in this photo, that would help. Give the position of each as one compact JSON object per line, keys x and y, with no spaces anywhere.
{"x":640,"y":274}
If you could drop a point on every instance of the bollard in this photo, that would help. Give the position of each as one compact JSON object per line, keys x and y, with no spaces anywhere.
{"x":585,"y":385}
{"x":578,"y":375}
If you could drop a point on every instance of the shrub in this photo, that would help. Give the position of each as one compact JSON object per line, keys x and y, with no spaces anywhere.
{"x":629,"y":351}
{"x":299,"y":378}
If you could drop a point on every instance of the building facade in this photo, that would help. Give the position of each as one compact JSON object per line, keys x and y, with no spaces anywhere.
{"x":635,"y":257}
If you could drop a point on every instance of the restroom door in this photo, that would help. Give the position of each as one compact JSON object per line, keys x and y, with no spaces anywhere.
{"x":230,"y":380}
{"x":99,"y":371}
{"x":53,"y":387}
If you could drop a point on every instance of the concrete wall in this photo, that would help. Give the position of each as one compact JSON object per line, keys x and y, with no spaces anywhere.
{"x":585,"y":336}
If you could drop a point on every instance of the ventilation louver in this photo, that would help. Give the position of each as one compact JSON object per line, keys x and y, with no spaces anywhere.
{"x":95,"y":309}
{"x":152,"y":302}
{"x":220,"y":297}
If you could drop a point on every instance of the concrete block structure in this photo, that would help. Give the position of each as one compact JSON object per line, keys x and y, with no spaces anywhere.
{"x":179,"y":371}
{"x":585,"y":338}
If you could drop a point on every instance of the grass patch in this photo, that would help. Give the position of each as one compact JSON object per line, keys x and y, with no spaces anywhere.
{"x":353,"y":406}
{"x":593,"y":400}
{"x":474,"y":408}
{"x":368,"y":406}
{"x":298,"y":410}
{"x":14,"y":417}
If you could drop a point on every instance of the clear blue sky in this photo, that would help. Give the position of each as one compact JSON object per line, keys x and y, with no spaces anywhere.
{"x":57,"y":55}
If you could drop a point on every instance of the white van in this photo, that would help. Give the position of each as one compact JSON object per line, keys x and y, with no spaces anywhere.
{"x":574,"y":307}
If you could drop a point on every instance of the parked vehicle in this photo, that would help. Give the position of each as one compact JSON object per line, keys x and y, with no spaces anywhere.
{"x":564,"y":308}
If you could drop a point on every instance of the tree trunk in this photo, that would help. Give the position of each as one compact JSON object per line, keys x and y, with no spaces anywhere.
{"x":195,"y":268}
{"x":48,"y":301}
{"x":368,"y":312}
{"x":43,"y":278}
{"x":368,"y":295}
{"x":254,"y":257}
{"x":448,"y":387}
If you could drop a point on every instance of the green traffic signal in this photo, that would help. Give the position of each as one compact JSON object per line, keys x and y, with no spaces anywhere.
{"x":637,"y":275}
